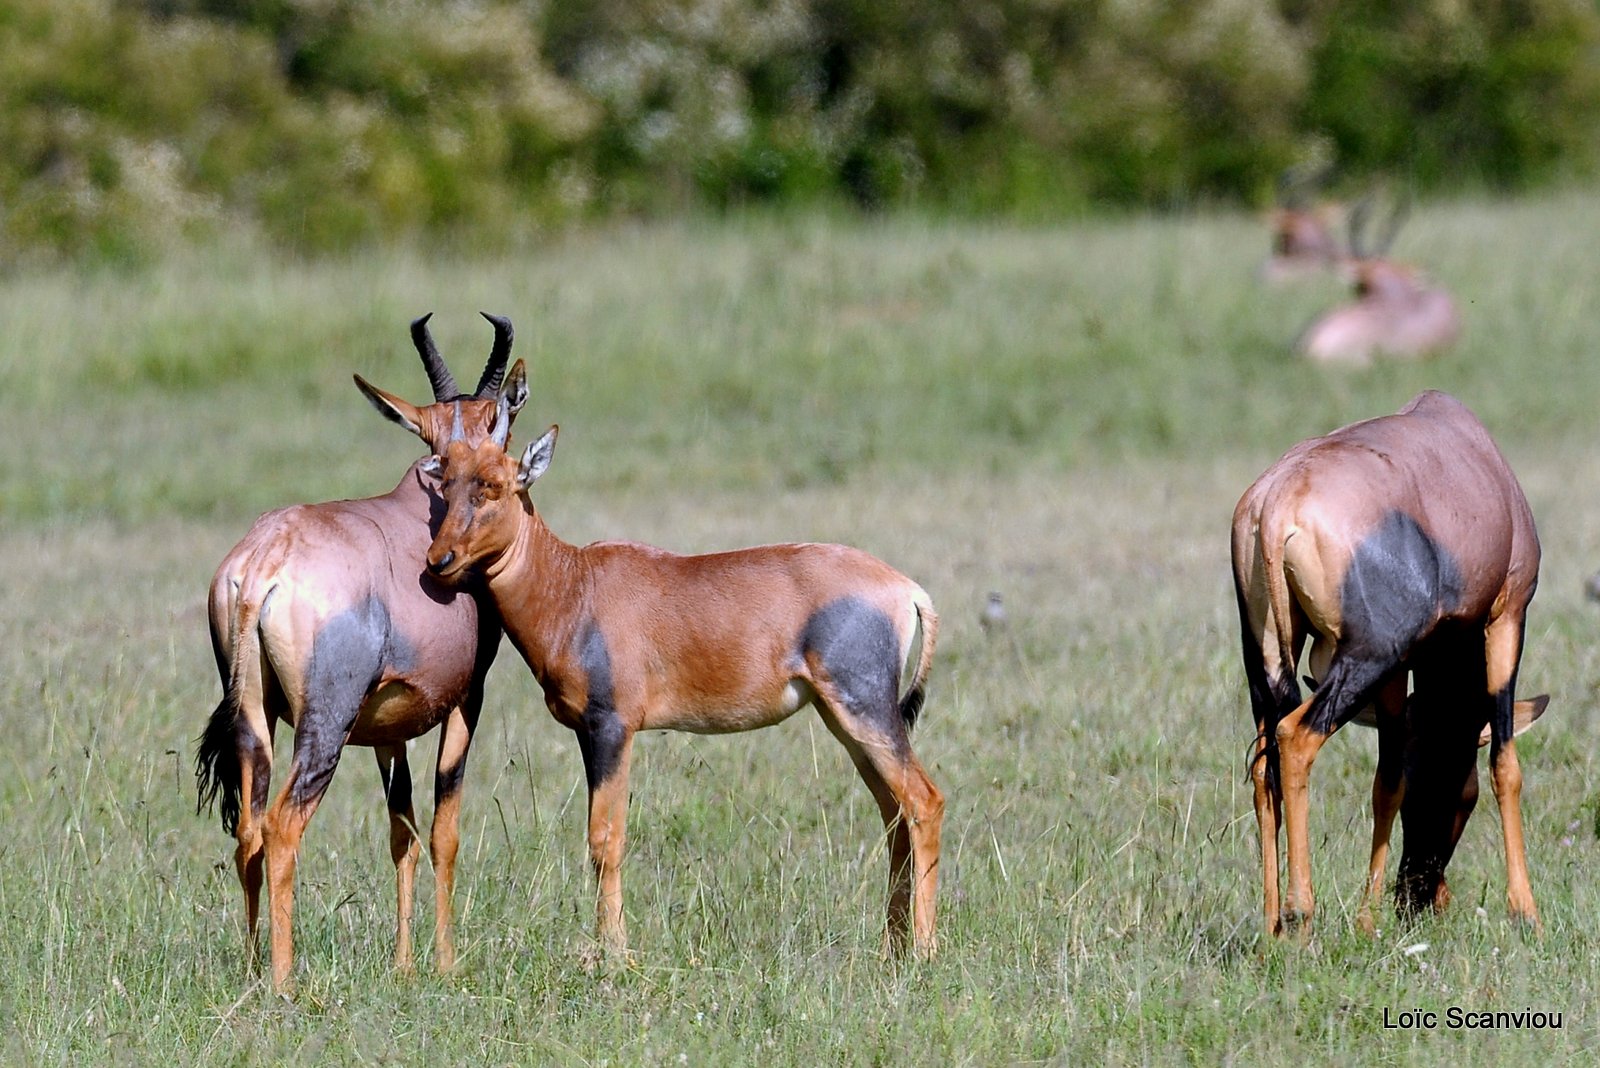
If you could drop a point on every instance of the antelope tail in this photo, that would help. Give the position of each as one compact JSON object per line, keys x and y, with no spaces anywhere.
{"x":216,"y":759}
{"x":216,"y":765}
{"x":1281,"y":607}
{"x":1279,"y":599}
{"x":928,"y":623}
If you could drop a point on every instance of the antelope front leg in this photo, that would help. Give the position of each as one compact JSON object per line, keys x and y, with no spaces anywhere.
{"x":607,"y":752}
{"x":445,"y":839}
{"x":403,"y":846}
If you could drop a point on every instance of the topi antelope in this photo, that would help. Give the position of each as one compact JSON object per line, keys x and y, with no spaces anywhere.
{"x":1303,"y":241}
{"x":1399,"y":544}
{"x":1396,"y":312}
{"x":324,"y":617}
{"x":624,"y":637}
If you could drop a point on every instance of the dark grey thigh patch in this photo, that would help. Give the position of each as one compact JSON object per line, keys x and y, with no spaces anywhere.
{"x":348,"y":656}
{"x":856,"y":644}
{"x":600,"y":733}
{"x":1398,"y":583}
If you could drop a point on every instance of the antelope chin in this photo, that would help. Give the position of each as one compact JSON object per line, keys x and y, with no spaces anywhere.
{"x":452,"y":575}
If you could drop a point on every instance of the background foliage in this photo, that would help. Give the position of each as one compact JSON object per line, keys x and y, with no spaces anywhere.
{"x":131,"y":124}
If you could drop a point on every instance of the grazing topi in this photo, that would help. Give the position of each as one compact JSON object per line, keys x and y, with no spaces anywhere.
{"x":1398,"y":545}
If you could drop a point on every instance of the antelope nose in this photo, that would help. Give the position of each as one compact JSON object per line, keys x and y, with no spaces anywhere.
{"x":438,"y":566}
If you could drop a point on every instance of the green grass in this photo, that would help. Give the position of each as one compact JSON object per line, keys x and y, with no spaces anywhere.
{"x":1064,"y":415}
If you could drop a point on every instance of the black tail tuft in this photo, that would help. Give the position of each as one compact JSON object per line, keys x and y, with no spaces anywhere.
{"x":1270,"y":700}
{"x":216,"y":766}
{"x":911,"y":705}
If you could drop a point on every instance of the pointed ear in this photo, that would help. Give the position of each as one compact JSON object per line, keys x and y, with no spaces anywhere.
{"x":509,"y":401}
{"x":515,"y":393}
{"x":536,"y":458}
{"x":1523,"y":715}
{"x":432,"y":466}
{"x":390,"y":407}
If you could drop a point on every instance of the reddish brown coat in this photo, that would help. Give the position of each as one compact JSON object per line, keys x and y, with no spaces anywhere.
{"x":324,"y":617}
{"x":1303,"y":244}
{"x":624,"y":637}
{"x":1400,"y":544}
{"x":1395,"y":312}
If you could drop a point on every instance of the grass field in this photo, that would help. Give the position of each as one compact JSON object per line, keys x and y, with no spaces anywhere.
{"x":1066,"y":416}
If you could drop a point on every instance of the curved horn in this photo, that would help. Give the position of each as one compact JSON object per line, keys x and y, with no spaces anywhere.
{"x":502,"y":422}
{"x":439,"y":376}
{"x":1397,"y":219}
{"x":494,"y":372}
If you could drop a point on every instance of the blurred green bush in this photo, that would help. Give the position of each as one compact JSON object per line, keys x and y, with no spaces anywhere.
{"x":134,"y":124}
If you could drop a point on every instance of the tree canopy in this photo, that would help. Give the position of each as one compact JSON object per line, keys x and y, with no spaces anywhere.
{"x":325,"y":123}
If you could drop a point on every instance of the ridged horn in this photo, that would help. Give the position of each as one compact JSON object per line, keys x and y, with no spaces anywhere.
{"x":439,"y":376}
{"x":501,"y":433}
{"x":494,"y":372}
{"x":1397,"y":219}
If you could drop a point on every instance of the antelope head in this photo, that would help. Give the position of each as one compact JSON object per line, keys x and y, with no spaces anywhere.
{"x":1396,"y":312}
{"x":1372,"y":274}
{"x":454,"y":415}
{"x":1300,"y":227}
{"x":484,"y":491}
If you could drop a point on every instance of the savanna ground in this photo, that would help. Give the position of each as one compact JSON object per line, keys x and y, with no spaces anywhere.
{"x":1066,"y":416}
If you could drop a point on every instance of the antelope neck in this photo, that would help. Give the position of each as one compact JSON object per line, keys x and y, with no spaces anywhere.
{"x":540,"y":585}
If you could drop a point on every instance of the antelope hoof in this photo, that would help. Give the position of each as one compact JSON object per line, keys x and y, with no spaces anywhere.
{"x":604,"y":955}
{"x":1365,"y":923}
{"x":1527,"y":920}
{"x":897,"y":947}
{"x":1296,"y":925}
